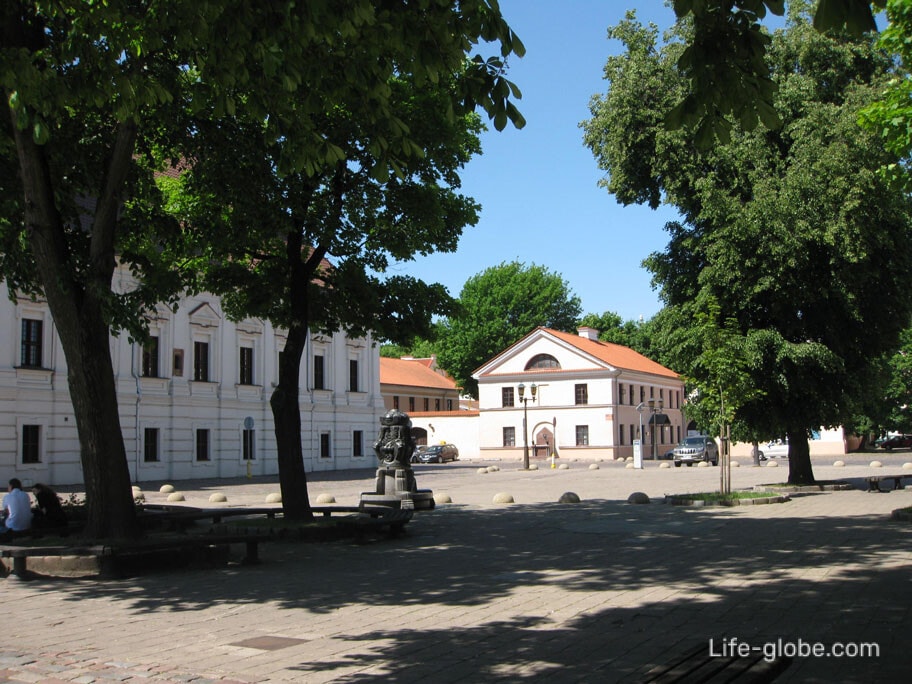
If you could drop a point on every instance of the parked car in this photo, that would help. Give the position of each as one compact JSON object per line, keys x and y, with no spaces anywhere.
{"x":435,"y":453}
{"x":777,"y":448}
{"x":695,"y":449}
{"x":897,"y":442}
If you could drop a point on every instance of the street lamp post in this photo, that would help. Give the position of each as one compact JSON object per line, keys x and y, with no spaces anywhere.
{"x":525,"y":400}
{"x":655,"y":408}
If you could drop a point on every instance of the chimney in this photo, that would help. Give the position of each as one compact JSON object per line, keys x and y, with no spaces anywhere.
{"x":588,"y":333}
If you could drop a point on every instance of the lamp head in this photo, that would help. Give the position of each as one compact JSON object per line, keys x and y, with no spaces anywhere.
{"x":522,"y":389}
{"x":533,"y":388}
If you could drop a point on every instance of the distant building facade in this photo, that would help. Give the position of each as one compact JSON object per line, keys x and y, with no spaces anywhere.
{"x":592,"y":399}
{"x":194,"y":400}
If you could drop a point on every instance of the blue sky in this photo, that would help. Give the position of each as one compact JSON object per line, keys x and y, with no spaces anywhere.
{"x":538,"y":186}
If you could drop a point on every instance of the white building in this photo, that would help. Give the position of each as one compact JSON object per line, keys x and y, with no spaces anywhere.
{"x":592,"y":399}
{"x":194,"y":401}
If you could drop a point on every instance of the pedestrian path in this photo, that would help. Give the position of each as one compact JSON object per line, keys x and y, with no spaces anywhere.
{"x":478,"y":592}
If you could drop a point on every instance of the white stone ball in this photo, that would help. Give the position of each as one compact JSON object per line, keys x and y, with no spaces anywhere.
{"x":876,"y":464}
{"x":593,"y":466}
{"x":217,"y":497}
{"x":175,"y":496}
{"x":275,"y":497}
{"x":326,"y":498}
{"x":839,"y":464}
{"x":166,"y":489}
{"x":503,"y":498}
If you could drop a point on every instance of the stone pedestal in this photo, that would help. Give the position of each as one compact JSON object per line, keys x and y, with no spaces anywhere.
{"x":396,"y":487}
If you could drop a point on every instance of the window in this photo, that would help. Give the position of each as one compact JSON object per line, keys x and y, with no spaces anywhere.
{"x":319,"y":377}
{"x":621,"y":395}
{"x":245,"y":375}
{"x":436,"y":404}
{"x":324,"y":445}
{"x":201,"y":361}
{"x":150,"y":445}
{"x":582,"y":394}
{"x":621,"y":435}
{"x":652,"y":392}
{"x":357,"y":443}
{"x":509,"y":436}
{"x":542,"y":361}
{"x":582,"y":435}
{"x":248,"y":442}
{"x":202,"y":445}
{"x":427,"y":404}
{"x":506,"y":397}
{"x":632,"y":433}
{"x":32,"y":334}
{"x":631,"y":395}
{"x":31,"y":444}
{"x":353,"y":375}
{"x":396,"y":402}
{"x":449,"y":404}
{"x":642,"y":394}
{"x":177,"y":368}
{"x":662,"y":395}
{"x":150,"y":358}
{"x":411,"y":404}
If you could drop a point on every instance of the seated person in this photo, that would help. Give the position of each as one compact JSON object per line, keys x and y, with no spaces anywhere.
{"x":17,"y":509}
{"x":48,"y":512}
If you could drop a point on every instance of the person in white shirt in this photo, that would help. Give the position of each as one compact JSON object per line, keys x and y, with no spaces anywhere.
{"x":17,"y":508}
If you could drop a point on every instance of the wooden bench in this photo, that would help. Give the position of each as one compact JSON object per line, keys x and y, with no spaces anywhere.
{"x":110,"y":554}
{"x":874,"y":481}
{"x":377,"y":519}
{"x":698,"y":665}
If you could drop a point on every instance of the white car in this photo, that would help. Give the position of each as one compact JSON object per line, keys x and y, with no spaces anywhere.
{"x":777,"y":448}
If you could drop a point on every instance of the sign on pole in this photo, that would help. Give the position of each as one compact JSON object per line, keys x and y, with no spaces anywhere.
{"x":637,"y":454}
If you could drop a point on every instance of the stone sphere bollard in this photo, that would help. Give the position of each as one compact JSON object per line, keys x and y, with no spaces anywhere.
{"x":735,"y":464}
{"x":629,"y":459}
{"x":564,"y":466}
{"x":569,"y":497}
{"x":665,"y":464}
{"x":703,"y":464}
{"x":217,"y":497}
{"x":638,"y":498}
{"x":482,"y":471}
{"x":442,"y":498}
{"x":325,"y":498}
{"x":630,"y":466}
{"x":772,"y":464}
{"x":533,"y":466}
{"x":494,"y":469}
{"x":274,"y":497}
{"x":907,"y":466}
{"x":166,"y":489}
{"x":175,"y":496}
{"x":593,"y":466}
{"x":503,"y":498}
{"x":839,"y":464}
{"x":876,"y":464}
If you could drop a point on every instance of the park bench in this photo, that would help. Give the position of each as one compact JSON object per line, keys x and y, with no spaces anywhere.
{"x":875,"y":480}
{"x":697,"y":665}
{"x":110,"y":555}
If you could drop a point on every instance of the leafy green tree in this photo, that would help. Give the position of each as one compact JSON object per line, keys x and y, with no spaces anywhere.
{"x":302,"y":250}
{"x":496,"y":308}
{"x":612,"y":328}
{"x":793,"y":233}
{"x":98,"y":93}
{"x":725,"y":59}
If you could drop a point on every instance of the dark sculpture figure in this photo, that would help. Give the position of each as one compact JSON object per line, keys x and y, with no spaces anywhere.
{"x":394,"y":444}
{"x":396,"y":485}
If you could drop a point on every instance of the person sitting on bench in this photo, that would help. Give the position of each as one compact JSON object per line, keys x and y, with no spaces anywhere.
{"x":48,"y":512}
{"x":17,"y":509}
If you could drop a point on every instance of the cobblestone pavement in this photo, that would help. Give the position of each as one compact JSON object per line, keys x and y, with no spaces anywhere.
{"x":476,"y":592}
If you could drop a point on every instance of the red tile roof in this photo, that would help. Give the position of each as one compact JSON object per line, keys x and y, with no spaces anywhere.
{"x":615,"y":355}
{"x":412,"y":373}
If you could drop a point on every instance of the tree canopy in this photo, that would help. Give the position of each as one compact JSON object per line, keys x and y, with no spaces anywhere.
{"x":99,"y":96}
{"x":496,"y":308}
{"x":789,"y":239}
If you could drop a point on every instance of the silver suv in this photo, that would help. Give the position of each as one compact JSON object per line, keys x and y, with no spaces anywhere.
{"x":695,"y":449}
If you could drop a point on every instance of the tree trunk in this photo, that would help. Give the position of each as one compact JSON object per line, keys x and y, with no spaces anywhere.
{"x":111,"y":511}
{"x":286,"y":412}
{"x":75,"y":295}
{"x":800,"y":470}
{"x":755,"y":453}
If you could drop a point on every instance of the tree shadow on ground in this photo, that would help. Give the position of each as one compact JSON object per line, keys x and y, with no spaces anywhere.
{"x":635,"y":584}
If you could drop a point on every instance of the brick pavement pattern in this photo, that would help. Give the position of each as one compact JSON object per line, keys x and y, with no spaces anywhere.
{"x":597,"y":591}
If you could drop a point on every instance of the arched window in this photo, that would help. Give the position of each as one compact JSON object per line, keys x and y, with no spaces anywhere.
{"x":542,"y":361}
